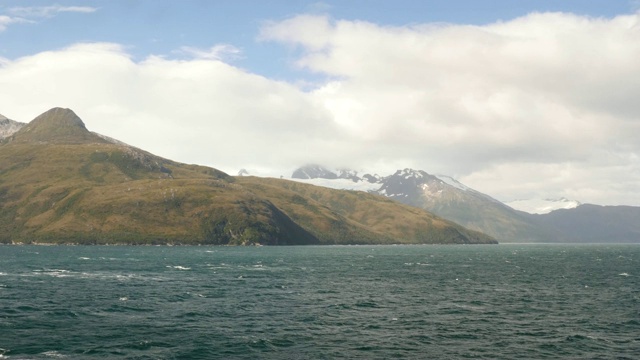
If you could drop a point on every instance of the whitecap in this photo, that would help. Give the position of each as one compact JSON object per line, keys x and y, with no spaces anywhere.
{"x":53,"y":354}
{"x":124,"y":298}
{"x":55,"y":272}
{"x":178,"y":267}
{"x":84,"y":258}
{"x":624,"y":274}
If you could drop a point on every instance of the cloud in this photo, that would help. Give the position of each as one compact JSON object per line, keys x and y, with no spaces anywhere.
{"x":30,"y":14}
{"x":49,"y":11}
{"x":538,"y":92}
{"x":216,"y":52}
{"x":5,"y":21}
{"x":197,"y":111}
{"x":543,"y":105}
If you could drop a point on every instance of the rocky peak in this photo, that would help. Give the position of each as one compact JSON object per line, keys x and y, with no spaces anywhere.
{"x":406,"y":184}
{"x":58,"y":117}
{"x":313,"y":171}
{"x":8,"y":127}
{"x":57,"y":125}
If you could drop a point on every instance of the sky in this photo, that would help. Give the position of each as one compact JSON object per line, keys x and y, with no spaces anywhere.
{"x":517,"y":99}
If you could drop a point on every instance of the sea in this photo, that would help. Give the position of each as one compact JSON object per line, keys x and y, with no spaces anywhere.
{"x":508,"y":301}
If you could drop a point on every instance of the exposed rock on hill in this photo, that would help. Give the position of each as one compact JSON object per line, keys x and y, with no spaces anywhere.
{"x":8,"y":127}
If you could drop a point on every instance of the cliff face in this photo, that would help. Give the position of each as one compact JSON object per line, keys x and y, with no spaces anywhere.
{"x":61,"y":183}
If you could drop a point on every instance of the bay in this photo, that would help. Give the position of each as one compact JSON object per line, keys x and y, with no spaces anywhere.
{"x":320,"y":302}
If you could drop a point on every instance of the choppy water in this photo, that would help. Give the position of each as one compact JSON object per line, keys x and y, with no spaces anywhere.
{"x":368,"y":302}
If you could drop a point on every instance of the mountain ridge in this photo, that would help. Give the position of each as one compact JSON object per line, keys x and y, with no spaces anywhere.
{"x":452,"y":200}
{"x":61,"y":183}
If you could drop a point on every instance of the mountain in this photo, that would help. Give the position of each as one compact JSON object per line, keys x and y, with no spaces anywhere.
{"x":594,"y":223}
{"x":448,"y":198}
{"x":8,"y":127}
{"x":558,"y":220}
{"x":57,"y":125}
{"x":313,"y":172}
{"x":542,"y":206}
{"x":451,"y":200}
{"x":61,"y":183}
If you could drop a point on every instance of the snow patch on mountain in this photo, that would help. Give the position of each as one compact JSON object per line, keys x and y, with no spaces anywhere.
{"x":542,"y":206}
{"x":453,"y":182}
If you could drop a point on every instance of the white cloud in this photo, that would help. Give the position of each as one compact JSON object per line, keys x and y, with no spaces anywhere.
{"x":216,"y":52}
{"x":29,"y":14}
{"x":5,"y":21}
{"x":49,"y":11}
{"x":534,"y":93}
{"x":543,"y":105}
{"x":198,"y":111}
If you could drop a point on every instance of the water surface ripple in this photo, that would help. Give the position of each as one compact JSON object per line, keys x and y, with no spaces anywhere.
{"x":367,"y":302}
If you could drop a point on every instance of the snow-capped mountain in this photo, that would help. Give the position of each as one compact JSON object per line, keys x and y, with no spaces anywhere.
{"x":543,"y":206}
{"x":559,"y":220}
{"x":404,"y":184}
{"x":313,"y":172}
{"x":342,"y":179}
{"x":441,"y":195}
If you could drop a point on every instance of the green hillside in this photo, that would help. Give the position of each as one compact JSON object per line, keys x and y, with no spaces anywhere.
{"x":60,"y":183}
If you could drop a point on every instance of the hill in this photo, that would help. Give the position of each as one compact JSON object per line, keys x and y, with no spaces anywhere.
{"x":60,"y":183}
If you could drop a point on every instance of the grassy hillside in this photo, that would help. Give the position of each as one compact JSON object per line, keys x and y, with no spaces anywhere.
{"x":60,"y":183}
{"x":365,"y":214}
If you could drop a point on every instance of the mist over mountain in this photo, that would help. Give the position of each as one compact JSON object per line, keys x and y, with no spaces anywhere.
{"x":542,"y":206}
{"x":61,"y":183}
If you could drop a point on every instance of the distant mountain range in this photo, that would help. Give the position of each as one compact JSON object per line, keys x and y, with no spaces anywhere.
{"x":61,"y":183}
{"x":556,"y":220}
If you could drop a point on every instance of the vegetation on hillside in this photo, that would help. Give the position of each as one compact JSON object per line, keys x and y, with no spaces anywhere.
{"x":59,"y":183}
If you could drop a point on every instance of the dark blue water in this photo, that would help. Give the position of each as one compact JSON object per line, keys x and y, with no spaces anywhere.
{"x":367,"y":302}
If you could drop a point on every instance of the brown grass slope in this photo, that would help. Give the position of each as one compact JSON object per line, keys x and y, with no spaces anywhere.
{"x":60,"y":183}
